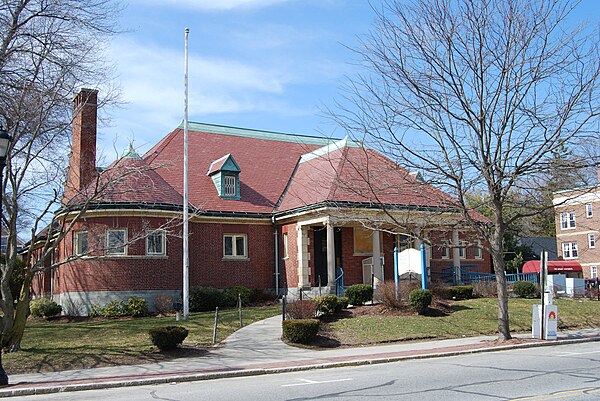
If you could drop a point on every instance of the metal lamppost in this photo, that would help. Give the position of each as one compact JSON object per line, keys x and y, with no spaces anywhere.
{"x":4,"y":141}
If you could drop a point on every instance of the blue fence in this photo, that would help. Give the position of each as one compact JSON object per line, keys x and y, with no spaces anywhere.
{"x":450,"y":276}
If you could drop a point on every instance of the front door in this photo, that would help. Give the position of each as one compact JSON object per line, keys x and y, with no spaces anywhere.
{"x":320,"y":240}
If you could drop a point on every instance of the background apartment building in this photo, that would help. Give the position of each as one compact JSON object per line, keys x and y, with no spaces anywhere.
{"x":578,"y":227}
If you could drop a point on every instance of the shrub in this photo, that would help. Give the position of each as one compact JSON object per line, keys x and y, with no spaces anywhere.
{"x":205,"y":299}
{"x":456,"y":292}
{"x":114,"y":309}
{"x":386,"y":294}
{"x":525,"y":289}
{"x":301,"y":331}
{"x":137,"y":307}
{"x":259,"y":295}
{"x":44,"y":308}
{"x":327,"y":304}
{"x":485,"y":289}
{"x":95,"y":310}
{"x":419,"y":300}
{"x":358,"y":294}
{"x":163,"y":303}
{"x":169,"y":337}
{"x":342,"y":303}
{"x":305,"y":309}
{"x":231,"y":296}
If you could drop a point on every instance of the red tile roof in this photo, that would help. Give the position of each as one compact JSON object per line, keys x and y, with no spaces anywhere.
{"x":130,"y":180}
{"x":266,"y":160}
{"x":356,"y":174}
{"x":279,"y":172}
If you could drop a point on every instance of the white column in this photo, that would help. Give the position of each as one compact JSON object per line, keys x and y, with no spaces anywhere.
{"x":376,"y":258}
{"x":303,"y":256}
{"x":330,"y":255}
{"x":417,"y":236}
{"x":456,"y":254}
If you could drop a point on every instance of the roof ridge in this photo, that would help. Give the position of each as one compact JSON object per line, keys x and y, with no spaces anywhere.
{"x":155,"y":150}
{"x":259,"y":134}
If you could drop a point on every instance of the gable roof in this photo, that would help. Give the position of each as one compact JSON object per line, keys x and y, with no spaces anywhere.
{"x":225,"y":163}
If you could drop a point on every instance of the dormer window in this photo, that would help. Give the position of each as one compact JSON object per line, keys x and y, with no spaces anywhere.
{"x":229,"y":185}
{"x":225,"y":174}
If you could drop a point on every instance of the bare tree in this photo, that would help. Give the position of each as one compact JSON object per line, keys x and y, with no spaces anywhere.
{"x":48,"y":49}
{"x":477,"y":95}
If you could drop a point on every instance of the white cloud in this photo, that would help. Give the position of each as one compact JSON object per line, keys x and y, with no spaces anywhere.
{"x":214,"y":4}
{"x":151,"y":80}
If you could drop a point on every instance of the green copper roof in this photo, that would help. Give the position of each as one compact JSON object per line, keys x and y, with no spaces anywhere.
{"x":130,"y":153}
{"x":258,"y":134}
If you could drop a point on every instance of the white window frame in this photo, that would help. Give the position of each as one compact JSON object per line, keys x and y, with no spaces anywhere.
{"x":163,"y":237}
{"x":568,"y":221}
{"x":110,"y":251}
{"x":589,"y":210}
{"x":77,"y":244}
{"x":462,"y":249}
{"x":593,"y":271}
{"x":285,"y":246}
{"x":591,"y":240}
{"x":477,"y":250}
{"x":570,"y":250}
{"x":234,"y":250}
{"x":229,"y":185}
{"x":445,"y":250}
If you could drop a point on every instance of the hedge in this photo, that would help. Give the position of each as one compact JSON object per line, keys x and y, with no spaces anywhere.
{"x":359,"y":294}
{"x":168,"y":337}
{"x":302,"y":331}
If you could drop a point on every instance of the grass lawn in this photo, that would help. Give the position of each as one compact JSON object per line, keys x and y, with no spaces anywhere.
{"x":471,"y":317}
{"x":53,"y":346}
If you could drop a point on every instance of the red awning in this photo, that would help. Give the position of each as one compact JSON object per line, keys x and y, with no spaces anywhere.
{"x":554,"y":266}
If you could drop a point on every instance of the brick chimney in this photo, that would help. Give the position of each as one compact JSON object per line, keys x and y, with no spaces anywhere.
{"x":82,"y":164}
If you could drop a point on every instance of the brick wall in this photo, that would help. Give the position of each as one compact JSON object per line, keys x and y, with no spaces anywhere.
{"x":138,"y":272}
{"x":575,"y":202}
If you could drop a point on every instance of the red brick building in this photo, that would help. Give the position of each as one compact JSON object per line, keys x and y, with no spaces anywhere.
{"x":269,"y":210}
{"x":577,"y":221}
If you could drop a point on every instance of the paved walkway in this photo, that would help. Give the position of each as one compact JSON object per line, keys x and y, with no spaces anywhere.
{"x":257,"y":349}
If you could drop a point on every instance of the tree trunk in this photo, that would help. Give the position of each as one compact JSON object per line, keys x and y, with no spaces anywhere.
{"x":496,"y":250}
{"x":15,"y":335}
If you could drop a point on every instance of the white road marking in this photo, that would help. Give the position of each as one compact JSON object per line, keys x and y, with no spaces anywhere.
{"x":577,"y":353}
{"x":308,"y":382}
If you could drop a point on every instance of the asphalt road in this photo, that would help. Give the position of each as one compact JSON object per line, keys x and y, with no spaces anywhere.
{"x":567,"y":372}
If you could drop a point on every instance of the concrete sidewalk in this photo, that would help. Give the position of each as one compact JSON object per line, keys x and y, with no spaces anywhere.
{"x":257,"y":349}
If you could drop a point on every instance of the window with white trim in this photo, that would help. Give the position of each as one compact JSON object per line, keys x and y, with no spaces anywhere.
{"x":285,"y":246}
{"x":593,"y":271}
{"x":156,"y":243}
{"x":591,"y":240}
{"x":569,"y":250}
{"x":116,"y":242}
{"x":81,"y":243}
{"x":229,"y":185}
{"x":462,"y":250}
{"x":445,"y":250}
{"x":235,"y":246}
{"x":567,"y":220}
{"x":477,"y":251}
{"x":589,"y":210}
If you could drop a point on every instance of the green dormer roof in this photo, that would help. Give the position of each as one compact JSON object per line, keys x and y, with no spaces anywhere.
{"x":225,"y":163}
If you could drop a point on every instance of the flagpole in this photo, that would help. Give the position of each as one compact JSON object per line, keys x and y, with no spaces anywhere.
{"x":186,"y":257}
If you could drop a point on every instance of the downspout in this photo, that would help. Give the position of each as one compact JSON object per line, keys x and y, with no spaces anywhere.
{"x":276,"y":233}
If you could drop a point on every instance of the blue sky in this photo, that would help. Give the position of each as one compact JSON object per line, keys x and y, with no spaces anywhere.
{"x":263,"y":64}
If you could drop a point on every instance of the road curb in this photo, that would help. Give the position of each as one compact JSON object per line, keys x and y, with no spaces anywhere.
{"x":100,"y":383}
